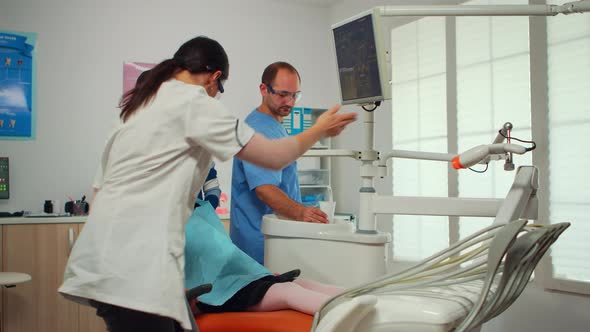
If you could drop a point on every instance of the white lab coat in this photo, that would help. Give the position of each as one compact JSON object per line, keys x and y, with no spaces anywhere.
{"x":131,"y":251}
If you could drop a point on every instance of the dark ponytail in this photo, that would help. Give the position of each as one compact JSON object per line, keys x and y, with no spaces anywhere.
{"x":200,"y":54}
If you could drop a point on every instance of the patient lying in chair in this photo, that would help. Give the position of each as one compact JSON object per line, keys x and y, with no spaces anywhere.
{"x":239,"y":282}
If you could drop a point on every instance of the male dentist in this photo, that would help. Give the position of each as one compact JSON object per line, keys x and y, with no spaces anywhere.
{"x":257,"y":191}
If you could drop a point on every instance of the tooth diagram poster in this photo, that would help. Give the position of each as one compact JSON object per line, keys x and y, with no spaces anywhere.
{"x":17,"y":85}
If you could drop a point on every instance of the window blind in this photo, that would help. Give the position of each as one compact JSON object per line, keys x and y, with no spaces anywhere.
{"x":419,"y":123}
{"x":568,"y":62}
{"x":492,"y":88}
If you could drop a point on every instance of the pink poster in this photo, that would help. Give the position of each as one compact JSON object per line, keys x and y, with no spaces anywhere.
{"x":131,"y":71}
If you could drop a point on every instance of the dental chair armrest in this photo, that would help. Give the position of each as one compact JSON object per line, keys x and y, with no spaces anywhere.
{"x":194,"y":293}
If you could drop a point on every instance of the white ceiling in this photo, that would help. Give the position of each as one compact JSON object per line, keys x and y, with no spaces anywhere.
{"x":318,"y":3}
{"x":328,"y":3}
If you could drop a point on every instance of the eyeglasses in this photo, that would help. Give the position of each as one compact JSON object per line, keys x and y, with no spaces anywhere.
{"x":285,"y":94}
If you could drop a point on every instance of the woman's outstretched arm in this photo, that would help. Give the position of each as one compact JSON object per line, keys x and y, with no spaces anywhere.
{"x":278,"y":153}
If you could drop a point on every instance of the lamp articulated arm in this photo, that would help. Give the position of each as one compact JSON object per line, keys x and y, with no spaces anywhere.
{"x":487,"y":10}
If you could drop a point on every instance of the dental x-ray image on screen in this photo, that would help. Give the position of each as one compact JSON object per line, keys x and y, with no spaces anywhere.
{"x":361,"y":60}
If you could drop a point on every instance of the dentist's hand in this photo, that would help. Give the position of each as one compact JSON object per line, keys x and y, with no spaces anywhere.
{"x":284,"y":206}
{"x":313,"y":214}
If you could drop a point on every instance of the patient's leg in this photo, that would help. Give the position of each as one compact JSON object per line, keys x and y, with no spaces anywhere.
{"x":319,"y":287}
{"x":289,"y":295}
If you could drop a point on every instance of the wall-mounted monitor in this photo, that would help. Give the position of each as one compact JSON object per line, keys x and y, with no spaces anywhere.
{"x":4,"y":179}
{"x":362,"y":59}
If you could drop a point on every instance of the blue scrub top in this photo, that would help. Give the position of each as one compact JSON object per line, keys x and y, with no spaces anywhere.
{"x":246,"y":209}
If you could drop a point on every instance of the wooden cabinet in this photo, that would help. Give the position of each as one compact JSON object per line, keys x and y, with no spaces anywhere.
{"x":88,"y":321}
{"x":41,"y":250}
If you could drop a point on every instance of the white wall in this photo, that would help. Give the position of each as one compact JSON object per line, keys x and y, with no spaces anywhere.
{"x":80,"y":53}
{"x":536,"y":310}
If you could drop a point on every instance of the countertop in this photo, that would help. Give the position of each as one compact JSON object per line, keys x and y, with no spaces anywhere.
{"x":58,"y":220}
{"x":42,"y":220}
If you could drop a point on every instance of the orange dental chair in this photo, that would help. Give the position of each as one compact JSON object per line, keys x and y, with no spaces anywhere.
{"x":274,"y":321}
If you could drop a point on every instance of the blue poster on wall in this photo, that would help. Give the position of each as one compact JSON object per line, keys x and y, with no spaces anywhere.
{"x":17,"y":85}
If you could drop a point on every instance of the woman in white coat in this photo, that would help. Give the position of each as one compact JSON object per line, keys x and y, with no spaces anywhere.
{"x":128,"y":261}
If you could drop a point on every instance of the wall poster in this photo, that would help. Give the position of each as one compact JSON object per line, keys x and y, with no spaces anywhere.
{"x":131,"y":71}
{"x":17,"y":85}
